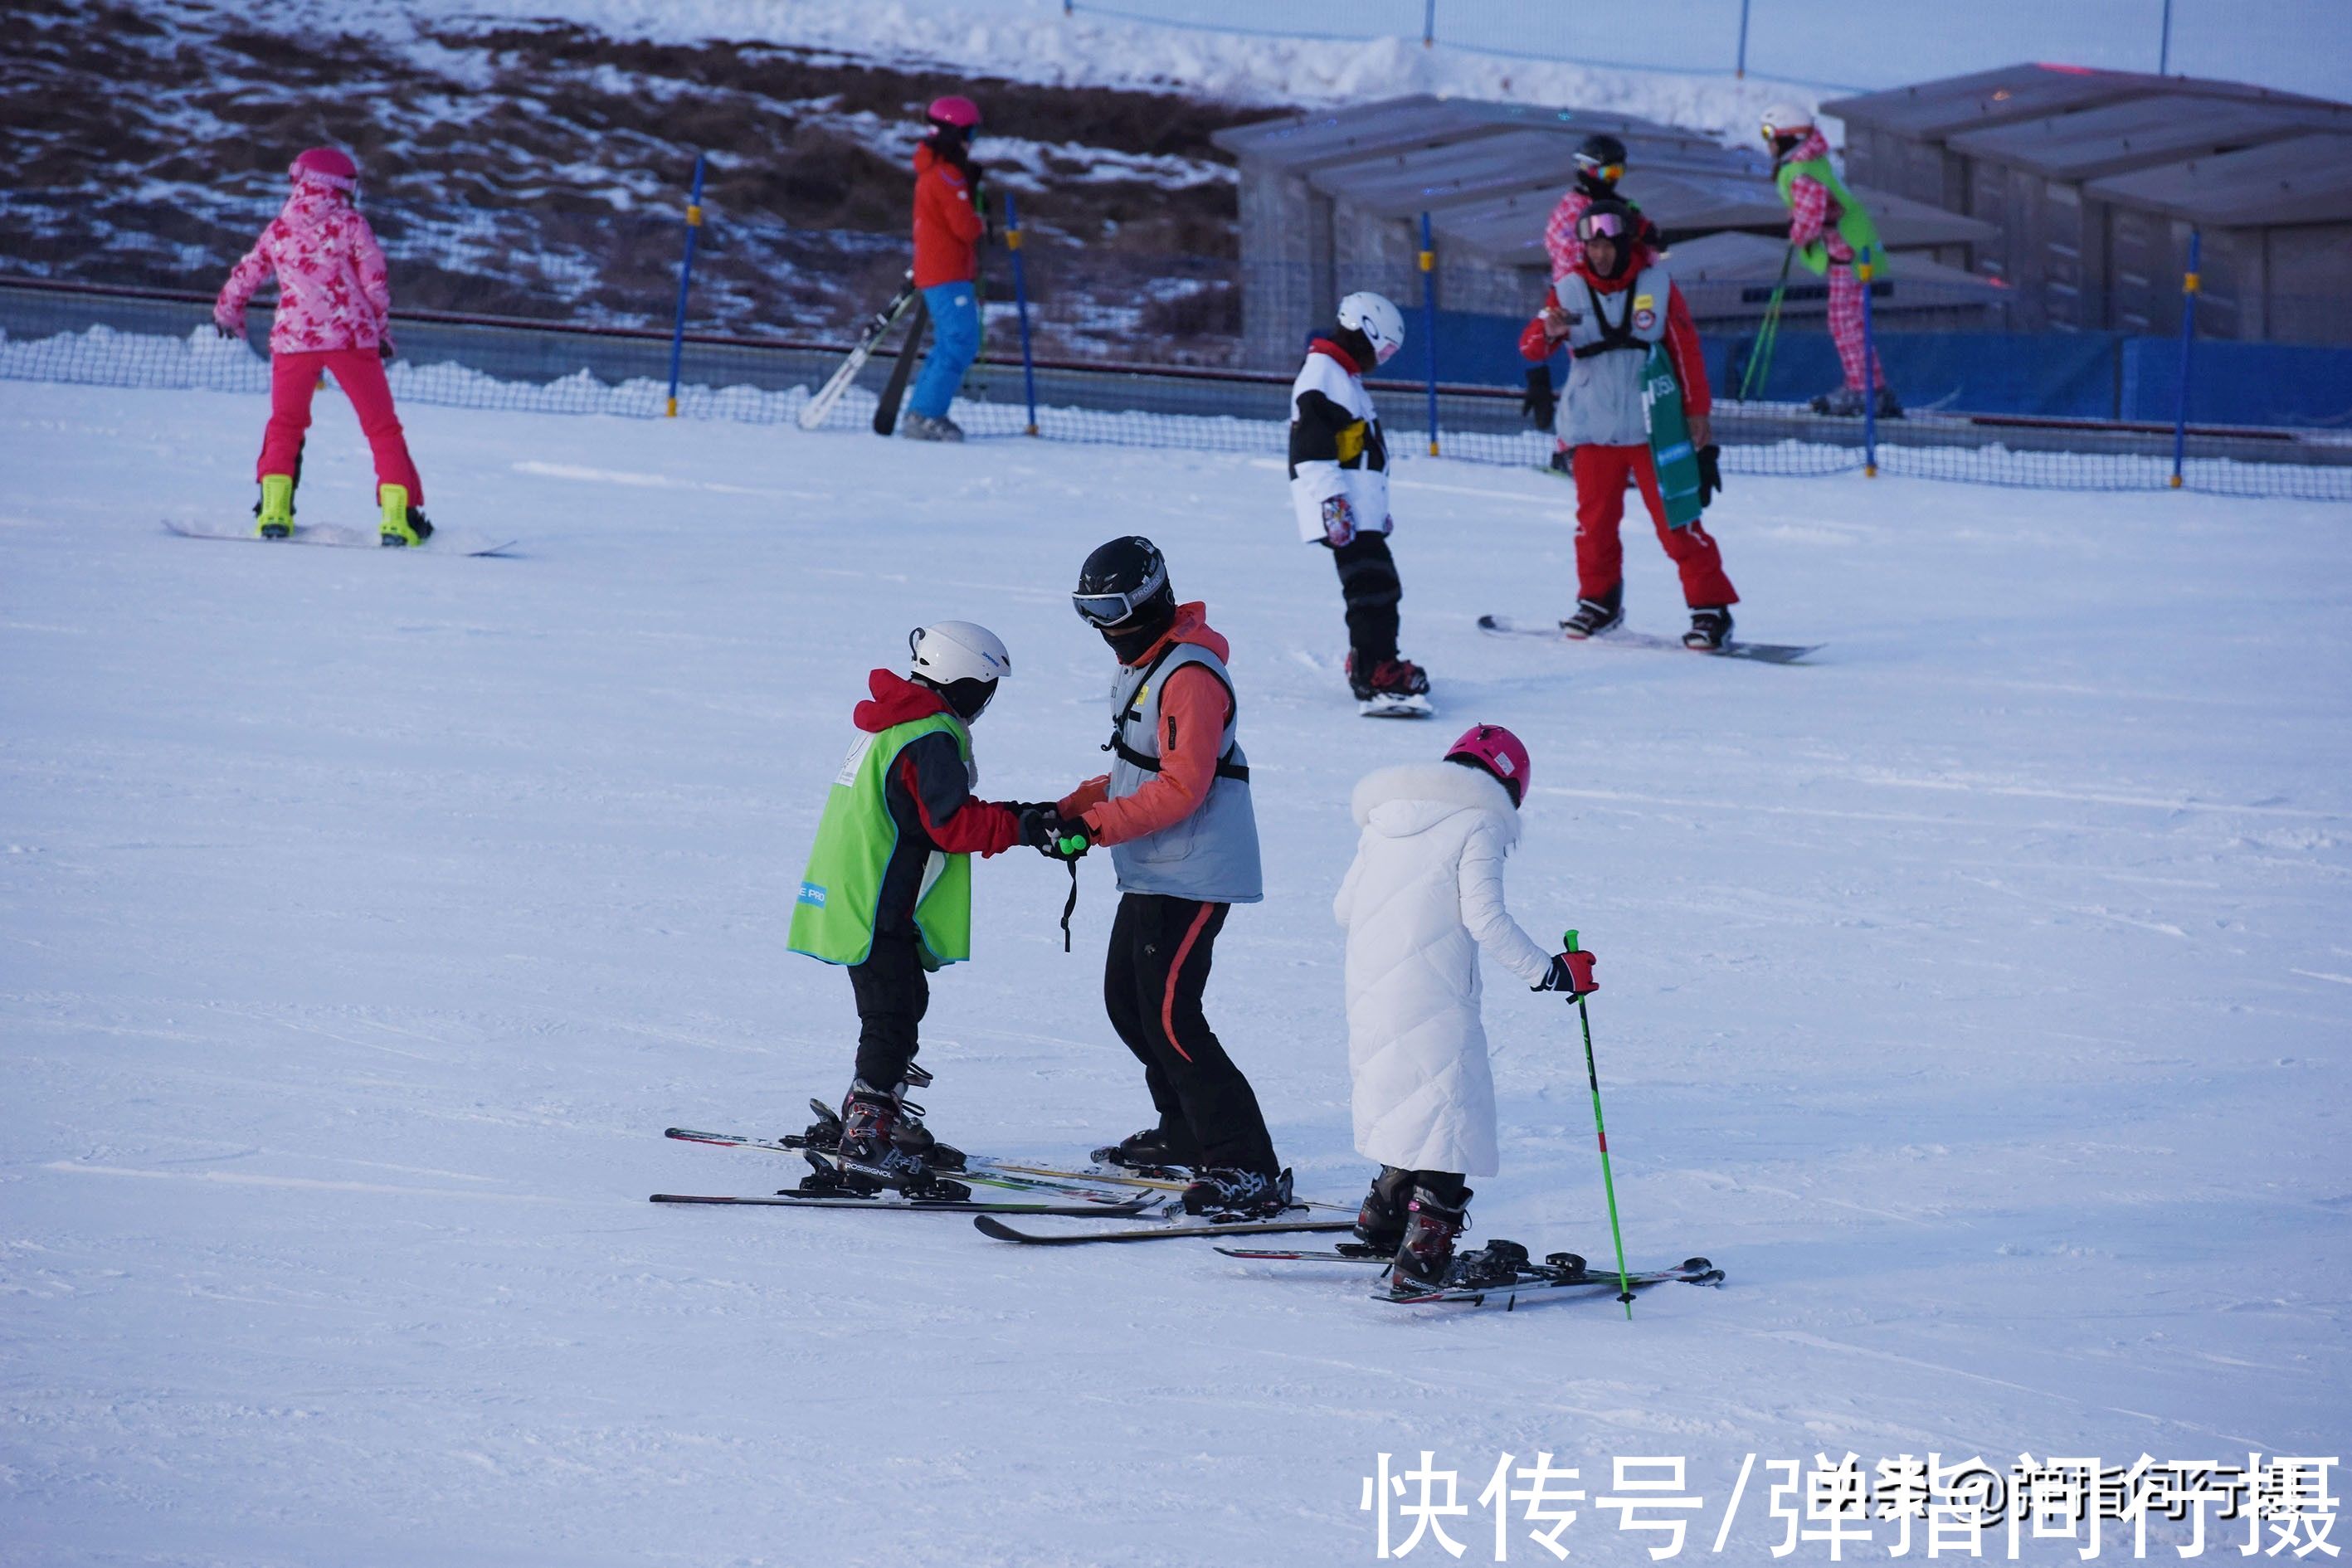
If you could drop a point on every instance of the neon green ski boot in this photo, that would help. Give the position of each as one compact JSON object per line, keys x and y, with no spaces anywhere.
{"x":276,"y":511}
{"x":403,"y":524}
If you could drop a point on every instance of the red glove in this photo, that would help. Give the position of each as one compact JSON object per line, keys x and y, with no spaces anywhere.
{"x":1571,"y":973}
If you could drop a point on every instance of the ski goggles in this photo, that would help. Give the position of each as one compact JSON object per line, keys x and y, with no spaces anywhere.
{"x":1601,"y":225}
{"x":1101,"y":610}
{"x":1611,"y":172}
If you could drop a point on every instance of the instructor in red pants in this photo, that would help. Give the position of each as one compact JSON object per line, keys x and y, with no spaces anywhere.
{"x":334,"y":301}
{"x":1609,"y":310}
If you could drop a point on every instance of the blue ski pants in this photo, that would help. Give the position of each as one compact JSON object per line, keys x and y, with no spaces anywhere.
{"x":955,"y":343}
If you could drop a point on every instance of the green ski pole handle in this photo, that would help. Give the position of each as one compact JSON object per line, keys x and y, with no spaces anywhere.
{"x":1601,"y":1131}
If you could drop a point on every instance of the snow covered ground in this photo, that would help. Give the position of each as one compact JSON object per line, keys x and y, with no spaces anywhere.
{"x":1978,"y":998}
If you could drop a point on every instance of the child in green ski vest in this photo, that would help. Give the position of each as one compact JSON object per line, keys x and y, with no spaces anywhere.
{"x":1829,"y":231}
{"x":888,"y":886}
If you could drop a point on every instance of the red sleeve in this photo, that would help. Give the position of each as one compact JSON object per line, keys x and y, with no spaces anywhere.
{"x":1560,"y":234}
{"x":974,"y":828}
{"x":1085,"y":798}
{"x":1809,"y":209}
{"x":1533,"y":344}
{"x":950,"y":203}
{"x":244,"y":278}
{"x":1689,"y":359}
{"x":1192,"y":714}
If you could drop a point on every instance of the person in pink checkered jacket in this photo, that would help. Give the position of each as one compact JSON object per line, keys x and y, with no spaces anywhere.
{"x":1828,"y":230}
{"x":334,"y":304}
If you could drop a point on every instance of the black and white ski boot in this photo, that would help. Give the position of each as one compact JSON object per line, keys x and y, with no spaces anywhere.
{"x":1889,"y":406}
{"x":1710,"y":629}
{"x":1379,"y":1222}
{"x":1228,"y":1193}
{"x":1594,"y":616}
{"x":1424,"y":1258}
{"x":868,"y":1155}
{"x":1153,"y":1151}
{"x":1845,"y":402}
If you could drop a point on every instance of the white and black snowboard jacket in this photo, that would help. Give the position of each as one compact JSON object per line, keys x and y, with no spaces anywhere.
{"x":1335,"y":445}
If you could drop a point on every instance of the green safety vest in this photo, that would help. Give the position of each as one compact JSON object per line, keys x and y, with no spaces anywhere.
{"x":1853,"y":223}
{"x":841,"y":892}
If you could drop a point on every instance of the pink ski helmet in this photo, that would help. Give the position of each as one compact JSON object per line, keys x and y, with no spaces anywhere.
{"x":327,"y":166}
{"x":1498,"y":750}
{"x":955,"y":112}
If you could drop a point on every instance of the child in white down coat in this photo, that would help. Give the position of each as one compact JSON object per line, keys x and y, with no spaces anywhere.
{"x":1426,"y":893}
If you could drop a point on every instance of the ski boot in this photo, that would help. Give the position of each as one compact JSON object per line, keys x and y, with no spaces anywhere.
{"x":1154,"y":1151}
{"x":1228,"y":1193}
{"x":1845,"y":402}
{"x":1710,"y":627}
{"x":1594,"y":616}
{"x":921,"y":427}
{"x":1379,"y":1224}
{"x":910,"y":1136}
{"x":868,"y":1157}
{"x":1889,"y":408}
{"x":274,"y":512}
{"x":403,"y":524}
{"x":1425,"y":1257}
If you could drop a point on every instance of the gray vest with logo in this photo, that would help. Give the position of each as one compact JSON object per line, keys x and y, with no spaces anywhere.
{"x":1210,"y":857}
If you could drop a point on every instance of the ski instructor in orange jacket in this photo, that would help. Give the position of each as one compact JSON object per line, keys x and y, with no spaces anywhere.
{"x":948,"y":231}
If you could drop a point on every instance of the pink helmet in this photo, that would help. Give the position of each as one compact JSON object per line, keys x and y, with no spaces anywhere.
{"x":1498,"y":751}
{"x":327,"y":166}
{"x":961,"y":112}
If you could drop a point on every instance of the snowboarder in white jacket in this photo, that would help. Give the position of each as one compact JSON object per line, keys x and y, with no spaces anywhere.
{"x":1424,"y":895}
{"x":1340,"y":497}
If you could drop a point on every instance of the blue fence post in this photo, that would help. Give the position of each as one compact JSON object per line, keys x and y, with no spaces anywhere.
{"x":1742,"y":72}
{"x":2189,"y":284}
{"x":1429,"y":25}
{"x":1021,"y":302}
{"x":1429,"y":321}
{"x":2164,"y":45}
{"x":684,"y":277}
{"x":1863,"y":268}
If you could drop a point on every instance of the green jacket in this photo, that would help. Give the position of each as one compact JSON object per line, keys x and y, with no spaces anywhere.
{"x":1853,"y":225}
{"x":841,"y":892}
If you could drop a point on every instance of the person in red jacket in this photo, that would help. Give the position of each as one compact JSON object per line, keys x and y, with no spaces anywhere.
{"x":948,"y":226}
{"x":1538,"y":342}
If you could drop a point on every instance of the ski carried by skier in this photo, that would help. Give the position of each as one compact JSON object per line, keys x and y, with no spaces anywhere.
{"x":869,"y":338}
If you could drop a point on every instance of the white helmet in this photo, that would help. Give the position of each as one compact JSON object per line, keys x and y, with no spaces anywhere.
{"x":1372,"y":315}
{"x":948,"y":652}
{"x":1783,"y":118}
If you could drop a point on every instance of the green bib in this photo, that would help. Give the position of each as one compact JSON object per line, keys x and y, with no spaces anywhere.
{"x":841,"y":892}
{"x":1853,"y":223}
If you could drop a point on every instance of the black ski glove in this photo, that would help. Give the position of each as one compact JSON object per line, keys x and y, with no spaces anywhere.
{"x":1539,"y":404}
{"x":1044,"y":829}
{"x":1570,"y":972}
{"x":1710,"y":474}
{"x":384,"y":351}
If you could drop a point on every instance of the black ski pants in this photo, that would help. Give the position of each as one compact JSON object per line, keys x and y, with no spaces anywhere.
{"x":893,"y":993}
{"x":1369,"y":585}
{"x":1159,"y":965}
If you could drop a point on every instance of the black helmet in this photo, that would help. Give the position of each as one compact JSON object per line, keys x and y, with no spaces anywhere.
{"x":1599,"y":153}
{"x":1118,"y":579}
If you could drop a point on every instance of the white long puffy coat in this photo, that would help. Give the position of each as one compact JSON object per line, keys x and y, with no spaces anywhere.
{"x":1424,"y":895}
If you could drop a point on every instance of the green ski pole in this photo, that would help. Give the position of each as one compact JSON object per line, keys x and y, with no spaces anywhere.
{"x":1768,"y":336}
{"x":1607,"y":1185}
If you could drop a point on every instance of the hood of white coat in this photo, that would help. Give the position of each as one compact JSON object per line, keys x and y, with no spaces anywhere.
{"x":1398,"y":803}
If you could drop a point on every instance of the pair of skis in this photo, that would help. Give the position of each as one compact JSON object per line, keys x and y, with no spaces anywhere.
{"x":870,"y":338}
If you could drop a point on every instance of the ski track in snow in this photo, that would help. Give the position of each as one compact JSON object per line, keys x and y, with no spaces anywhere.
{"x":1974,"y":996}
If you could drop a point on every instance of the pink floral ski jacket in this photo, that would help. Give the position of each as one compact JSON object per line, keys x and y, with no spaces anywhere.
{"x":332,"y":290}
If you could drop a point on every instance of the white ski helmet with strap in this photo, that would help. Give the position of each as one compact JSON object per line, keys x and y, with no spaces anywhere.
{"x":1380,"y":321}
{"x":1786,"y":119}
{"x":948,"y":651}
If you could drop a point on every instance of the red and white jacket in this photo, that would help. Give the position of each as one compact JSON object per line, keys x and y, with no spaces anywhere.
{"x":1681,"y":339}
{"x":333,"y":291}
{"x":1809,"y":202}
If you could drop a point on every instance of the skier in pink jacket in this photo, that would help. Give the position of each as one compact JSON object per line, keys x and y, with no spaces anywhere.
{"x":334,"y":305}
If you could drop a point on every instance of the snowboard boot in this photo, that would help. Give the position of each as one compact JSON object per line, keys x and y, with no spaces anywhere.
{"x":1228,"y":1193}
{"x":1594,"y":616}
{"x":403,"y":524}
{"x":1379,"y":1224}
{"x":274,"y":512}
{"x":1153,"y":1149}
{"x":921,"y":427}
{"x":1425,"y":1257}
{"x":1710,"y":627}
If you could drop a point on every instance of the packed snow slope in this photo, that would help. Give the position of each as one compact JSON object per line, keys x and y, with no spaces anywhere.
{"x":1976,"y":996}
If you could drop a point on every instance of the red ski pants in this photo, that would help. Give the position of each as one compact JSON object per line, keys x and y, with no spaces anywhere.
{"x":294,"y":377}
{"x":1600,"y":475}
{"x":1845,"y":330}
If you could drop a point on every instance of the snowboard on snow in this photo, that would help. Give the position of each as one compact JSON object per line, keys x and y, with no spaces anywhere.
{"x":1761,"y":652}
{"x":444,"y":541}
{"x":1395,"y":706}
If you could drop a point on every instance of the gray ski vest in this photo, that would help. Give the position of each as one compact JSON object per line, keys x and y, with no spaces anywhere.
{"x":1210,"y":857}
